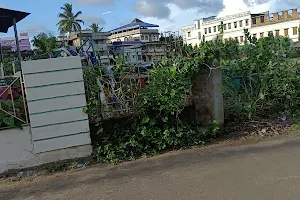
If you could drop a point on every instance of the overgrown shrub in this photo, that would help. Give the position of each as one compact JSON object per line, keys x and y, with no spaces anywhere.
{"x":263,"y":83}
{"x":129,"y":139}
{"x":156,"y":125}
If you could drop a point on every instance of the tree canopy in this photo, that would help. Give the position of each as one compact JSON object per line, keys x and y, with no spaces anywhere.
{"x":68,"y":20}
{"x":95,"y":28}
{"x":44,"y":43}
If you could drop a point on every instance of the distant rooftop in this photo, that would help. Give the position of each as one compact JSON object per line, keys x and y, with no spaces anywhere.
{"x":136,"y":23}
{"x":209,"y":18}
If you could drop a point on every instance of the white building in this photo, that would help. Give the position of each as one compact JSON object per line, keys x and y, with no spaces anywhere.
{"x":137,"y":30}
{"x":259,"y":25}
{"x":284,"y":23}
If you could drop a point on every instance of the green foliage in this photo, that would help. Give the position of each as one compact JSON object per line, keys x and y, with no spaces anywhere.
{"x":128,"y":140}
{"x":263,"y":83}
{"x":7,"y":120}
{"x":8,"y":66}
{"x":293,"y":53}
{"x":44,"y":44}
{"x":92,"y":90}
{"x":157,"y":126}
{"x":68,"y":20}
{"x":95,"y":28}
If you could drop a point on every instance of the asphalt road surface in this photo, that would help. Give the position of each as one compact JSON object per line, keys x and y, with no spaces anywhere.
{"x":265,"y":170}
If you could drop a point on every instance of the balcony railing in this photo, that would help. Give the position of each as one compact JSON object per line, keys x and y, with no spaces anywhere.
{"x":134,"y":32}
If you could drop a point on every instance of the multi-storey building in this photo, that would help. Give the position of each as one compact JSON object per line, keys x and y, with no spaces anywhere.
{"x":154,"y":51}
{"x":93,"y":42}
{"x":8,"y":45}
{"x":285,"y":23}
{"x":137,"y":42}
{"x":137,"y":30}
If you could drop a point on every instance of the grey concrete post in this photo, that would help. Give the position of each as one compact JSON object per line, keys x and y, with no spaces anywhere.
{"x":208,"y":97}
{"x":217,"y":95}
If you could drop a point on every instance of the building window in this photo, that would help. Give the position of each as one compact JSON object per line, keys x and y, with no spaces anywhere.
{"x":209,"y":29}
{"x":254,"y":35}
{"x":189,"y":34}
{"x":146,"y":37}
{"x":219,"y":27}
{"x":254,"y":20}
{"x":286,"y":32}
{"x":215,"y":29}
{"x":235,"y":24}
{"x":295,"y":31}
{"x":270,"y":33}
{"x":205,"y":30}
{"x":229,"y":26}
{"x":262,"y":19}
{"x":241,"y":23}
{"x":142,"y":37}
{"x":225,"y":26}
{"x":242,"y":38}
{"x":277,"y":33}
{"x":236,"y":39}
{"x":247,"y":22}
{"x":261,"y":35}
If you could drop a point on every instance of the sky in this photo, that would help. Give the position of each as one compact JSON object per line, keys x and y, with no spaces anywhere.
{"x":170,"y":15}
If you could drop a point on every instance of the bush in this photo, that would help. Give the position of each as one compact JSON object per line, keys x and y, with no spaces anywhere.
{"x":157,"y":126}
{"x":263,"y":83}
{"x":132,"y":139}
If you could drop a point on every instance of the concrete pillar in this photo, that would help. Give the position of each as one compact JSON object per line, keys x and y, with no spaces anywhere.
{"x":208,"y":97}
{"x":267,"y":17}
{"x":258,"y":20}
{"x":275,"y":17}
{"x":285,"y":15}
{"x":217,"y":96}
{"x":295,"y":14}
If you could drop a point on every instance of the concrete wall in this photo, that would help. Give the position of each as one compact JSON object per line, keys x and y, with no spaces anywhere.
{"x":56,"y":98}
{"x":208,"y":97}
{"x":17,"y":151}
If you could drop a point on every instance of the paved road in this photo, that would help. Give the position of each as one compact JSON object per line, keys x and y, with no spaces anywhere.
{"x":268,"y":170}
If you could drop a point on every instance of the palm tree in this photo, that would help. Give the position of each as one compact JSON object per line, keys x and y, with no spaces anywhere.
{"x":68,"y":20}
{"x":95,"y":28}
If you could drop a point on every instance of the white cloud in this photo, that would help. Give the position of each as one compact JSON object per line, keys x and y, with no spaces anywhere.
{"x":177,"y":18}
{"x":93,"y":2}
{"x":89,"y":19}
{"x":181,"y":14}
{"x":107,"y":12}
{"x":232,"y":7}
{"x":160,"y":9}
